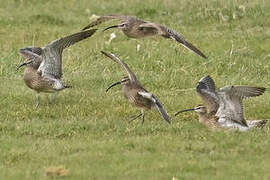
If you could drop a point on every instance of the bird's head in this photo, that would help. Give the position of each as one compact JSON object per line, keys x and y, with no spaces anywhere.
{"x":123,"y":25}
{"x":199,"y":109}
{"x":27,"y":54}
{"x":124,"y":81}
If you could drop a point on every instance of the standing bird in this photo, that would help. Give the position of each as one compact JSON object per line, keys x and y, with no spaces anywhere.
{"x":135,"y":93}
{"x":225,"y":106}
{"x":137,"y":28}
{"x":43,"y":70}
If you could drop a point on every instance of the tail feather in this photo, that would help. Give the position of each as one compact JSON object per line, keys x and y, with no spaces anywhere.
{"x":67,"y":86}
{"x":257,"y":123}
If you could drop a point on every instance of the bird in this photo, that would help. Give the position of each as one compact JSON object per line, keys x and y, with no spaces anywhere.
{"x":43,"y":70}
{"x":224,"y":107}
{"x":204,"y":117}
{"x":136,"y":28}
{"x":136,"y":93}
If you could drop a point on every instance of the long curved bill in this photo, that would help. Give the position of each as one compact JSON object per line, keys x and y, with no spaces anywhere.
{"x":23,"y":64}
{"x":119,"y":82}
{"x":115,"y":26}
{"x":184,"y":111}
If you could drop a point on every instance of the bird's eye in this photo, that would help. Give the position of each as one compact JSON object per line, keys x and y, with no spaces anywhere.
{"x":124,"y":25}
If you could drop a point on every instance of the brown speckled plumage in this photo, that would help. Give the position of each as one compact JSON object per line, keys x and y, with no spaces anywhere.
{"x":34,"y":81}
{"x":43,"y":72}
{"x":136,"y":28}
{"x":224,"y":106}
{"x":135,"y":93}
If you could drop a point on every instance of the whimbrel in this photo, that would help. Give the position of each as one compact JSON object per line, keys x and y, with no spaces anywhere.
{"x":135,"y":93}
{"x":137,"y":28}
{"x":43,"y":70}
{"x":225,"y":107}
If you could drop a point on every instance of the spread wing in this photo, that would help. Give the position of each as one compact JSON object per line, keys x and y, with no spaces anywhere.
{"x":151,"y":27}
{"x":157,"y":103}
{"x":207,"y":90}
{"x":33,"y":54}
{"x":36,"y":50}
{"x":29,"y":54}
{"x":245,"y":91}
{"x":131,"y":75}
{"x":169,"y":33}
{"x":52,"y":54}
{"x":232,"y":101}
{"x":104,"y":19}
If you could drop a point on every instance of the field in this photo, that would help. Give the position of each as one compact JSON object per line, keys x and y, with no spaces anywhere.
{"x":85,"y":133}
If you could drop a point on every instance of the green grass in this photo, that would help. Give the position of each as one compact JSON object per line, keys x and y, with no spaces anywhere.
{"x":86,"y":130}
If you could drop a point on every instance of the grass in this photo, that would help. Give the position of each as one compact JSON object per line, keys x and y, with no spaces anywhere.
{"x":85,"y":133}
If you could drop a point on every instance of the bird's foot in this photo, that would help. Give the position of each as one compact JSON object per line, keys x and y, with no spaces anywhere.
{"x":36,"y":105}
{"x":135,"y":117}
{"x":38,"y":101}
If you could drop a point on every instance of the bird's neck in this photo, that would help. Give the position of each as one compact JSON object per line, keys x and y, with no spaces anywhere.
{"x":203,"y":117}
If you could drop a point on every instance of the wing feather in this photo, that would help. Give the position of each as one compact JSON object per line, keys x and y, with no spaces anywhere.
{"x":170,"y":33}
{"x":30,"y":54}
{"x":103,"y":19}
{"x":207,"y":90}
{"x":151,"y":27}
{"x":157,"y":103}
{"x":52,"y":53}
{"x":232,"y":101}
{"x":36,"y":50}
{"x":131,"y":75}
{"x":245,"y":91}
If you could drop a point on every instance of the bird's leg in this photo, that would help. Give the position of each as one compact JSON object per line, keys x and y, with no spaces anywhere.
{"x":142,"y":112}
{"x":138,"y":47}
{"x":53,"y":97}
{"x":138,"y":44}
{"x":38,"y":100}
{"x":135,"y":117}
